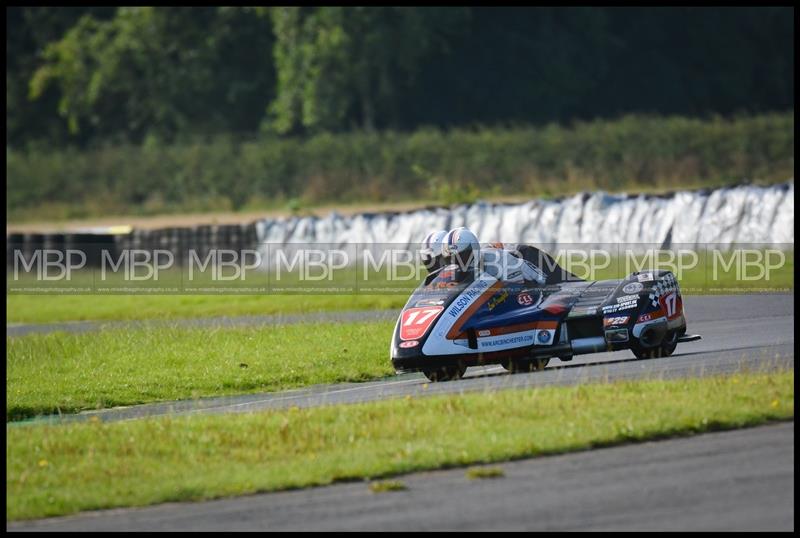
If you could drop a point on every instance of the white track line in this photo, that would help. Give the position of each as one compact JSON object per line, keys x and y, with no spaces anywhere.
{"x":379,"y":385}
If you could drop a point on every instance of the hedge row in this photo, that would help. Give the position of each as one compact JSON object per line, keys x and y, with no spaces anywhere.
{"x":633,"y":152}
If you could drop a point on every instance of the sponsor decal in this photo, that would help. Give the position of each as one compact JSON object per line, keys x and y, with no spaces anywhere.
{"x":521,"y":339}
{"x":644,"y":277}
{"x":665,"y":285}
{"x":633,"y":287}
{"x":441,"y":285}
{"x":672,"y":304}
{"x":497,"y":299}
{"x":616,"y":320}
{"x":610,"y":309}
{"x":627,"y":298}
{"x":527,"y":298}
{"x":416,"y":321}
{"x":649,"y":316}
{"x":429,"y":302}
{"x":543,"y":337}
{"x":466,"y":298}
{"x":410,"y":343}
{"x":470,"y":300}
{"x":513,"y":329}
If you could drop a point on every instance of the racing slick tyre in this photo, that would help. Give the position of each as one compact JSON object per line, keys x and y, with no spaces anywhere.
{"x":664,"y":349}
{"x":524,"y":365}
{"x":446,"y":373}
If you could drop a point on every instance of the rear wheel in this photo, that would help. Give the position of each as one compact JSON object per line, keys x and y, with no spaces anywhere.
{"x":446,"y":373}
{"x":524,"y":365}
{"x":664,"y":349}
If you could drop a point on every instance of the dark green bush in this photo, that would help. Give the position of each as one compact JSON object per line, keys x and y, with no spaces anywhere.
{"x":633,"y":152}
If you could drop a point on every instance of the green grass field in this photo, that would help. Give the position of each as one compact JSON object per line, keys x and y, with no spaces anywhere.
{"x":50,"y":308}
{"x":62,"y":469}
{"x":71,"y":372}
{"x":65,"y":373}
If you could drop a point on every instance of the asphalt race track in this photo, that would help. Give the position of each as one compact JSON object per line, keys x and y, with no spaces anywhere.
{"x":746,"y":331}
{"x":738,"y":480}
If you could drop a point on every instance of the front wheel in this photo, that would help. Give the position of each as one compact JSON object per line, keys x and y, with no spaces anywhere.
{"x":524,"y":365}
{"x":446,"y":373}
{"x":664,"y":349}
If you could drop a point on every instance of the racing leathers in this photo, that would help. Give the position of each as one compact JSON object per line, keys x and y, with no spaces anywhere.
{"x":508,"y":265}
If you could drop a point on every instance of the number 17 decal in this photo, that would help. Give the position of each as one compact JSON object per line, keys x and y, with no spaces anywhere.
{"x":416,"y":321}
{"x":672,"y":304}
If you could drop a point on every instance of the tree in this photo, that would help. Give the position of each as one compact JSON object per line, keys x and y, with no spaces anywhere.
{"x":339,"y":65}
{"x":108,"y":74}
{"x":161,"y":71}
{"x":28,"y":31}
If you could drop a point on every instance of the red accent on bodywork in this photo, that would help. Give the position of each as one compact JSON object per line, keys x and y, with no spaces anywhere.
{"x":415,"y":322}
{"x":651,"y":315}
{"x":672,"y":304}
{"x":555,"y":308}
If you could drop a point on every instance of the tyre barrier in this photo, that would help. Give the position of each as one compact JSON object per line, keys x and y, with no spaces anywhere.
{"x":176,"y":240}
{"x":744,"y":214}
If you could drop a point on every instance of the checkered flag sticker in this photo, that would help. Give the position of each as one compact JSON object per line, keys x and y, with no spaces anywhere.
{"x":665,"y":284}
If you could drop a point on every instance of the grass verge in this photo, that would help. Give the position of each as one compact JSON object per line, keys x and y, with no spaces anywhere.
{"x":55,"y":470}
{"x":385,"y":486}
{"x":66,"y":373}
{"x":59,"y":308}
{"x":481,"y":473}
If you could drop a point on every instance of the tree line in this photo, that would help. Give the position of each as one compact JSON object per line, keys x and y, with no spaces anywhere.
{"x":91,"y":76}
{"x":631,"y":153}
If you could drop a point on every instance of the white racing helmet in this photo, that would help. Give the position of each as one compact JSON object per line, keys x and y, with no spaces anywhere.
{"x":431,"y":250}
{"x":461,"y":246}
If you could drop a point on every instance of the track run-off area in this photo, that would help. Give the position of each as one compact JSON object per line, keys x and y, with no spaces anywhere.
{"x":734,"y":480}
{"x":740,"y":332}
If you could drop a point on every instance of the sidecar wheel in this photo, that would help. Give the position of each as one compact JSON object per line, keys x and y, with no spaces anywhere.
{"x":524,"y":365}
{"x":445,"y":373}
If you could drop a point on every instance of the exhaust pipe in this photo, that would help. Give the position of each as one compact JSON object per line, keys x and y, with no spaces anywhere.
{"x":594,"y":344}
{"x":579,"y":346}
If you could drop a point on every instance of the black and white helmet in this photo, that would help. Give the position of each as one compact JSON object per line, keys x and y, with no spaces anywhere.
{"x":431,"y":250}
{"x":461,"y":246}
